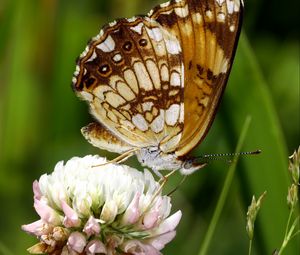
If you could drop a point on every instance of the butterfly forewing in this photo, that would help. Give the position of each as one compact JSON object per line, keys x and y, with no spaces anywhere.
{"x":132,"y":76}
{"x":208,"y":33}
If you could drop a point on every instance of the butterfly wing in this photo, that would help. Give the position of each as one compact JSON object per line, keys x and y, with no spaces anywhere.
{"x":208,"y":31}
{"x":102,"y":138}
{"x":131,"y":75}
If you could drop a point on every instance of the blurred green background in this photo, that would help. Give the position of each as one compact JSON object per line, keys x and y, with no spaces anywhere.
{"x":40,"y":118}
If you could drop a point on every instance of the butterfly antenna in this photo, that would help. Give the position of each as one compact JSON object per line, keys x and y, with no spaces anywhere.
{"x":222,"y":156}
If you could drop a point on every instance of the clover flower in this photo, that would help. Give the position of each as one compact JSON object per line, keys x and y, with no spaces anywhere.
{"x":89,"y":207}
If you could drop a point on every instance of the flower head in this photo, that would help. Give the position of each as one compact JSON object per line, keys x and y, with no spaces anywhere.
{"x":89,"y":207}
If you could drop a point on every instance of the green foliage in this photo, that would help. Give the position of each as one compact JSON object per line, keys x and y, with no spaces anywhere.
{"x":40,"y":119}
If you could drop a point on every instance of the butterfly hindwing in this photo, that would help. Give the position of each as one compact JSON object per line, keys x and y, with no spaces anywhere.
{"x":132,"y":76}
{"x":100,"y":137}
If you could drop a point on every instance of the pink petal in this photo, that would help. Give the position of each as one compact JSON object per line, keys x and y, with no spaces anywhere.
{"x":92,"y":227}
{"x":76,"y":242}
{"x":151,"y":217}
{"x":37,"y":194}
{"x":132,"y":213}
{"x":95,"y":247}
{"x":138,"y":248}
{"x":71,"y":218}
{"x":160,"y":241}
{"x":37,"y":228}
{"x":46,"y":213}
{"x":169,"y":224}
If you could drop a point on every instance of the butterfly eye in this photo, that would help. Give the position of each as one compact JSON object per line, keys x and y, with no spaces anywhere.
{"x":127,"y":46}
{"x":105,"y":70}
{"x":89,"y":82}
{"x":143,"y":42}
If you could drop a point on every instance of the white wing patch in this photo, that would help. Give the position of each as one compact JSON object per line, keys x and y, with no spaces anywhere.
{"x":94,"y":56}
{"x":172,"y":114}
{"x":164,"y":72}
{"x":138,"y":28}
{"x":117,"y":57}
{"x":175,"y":79}
{"x":155,"y":34}
{"x":158,"y":123}
{"x":182,"y":12}
{"x":130,"y":78}
{"x":140,"y":122}
{"x":154,"y":73}
{"x":142,"y":76}
{"x":108,"y":45}
{"x":173,"y":47}
{"x":147,"y":106}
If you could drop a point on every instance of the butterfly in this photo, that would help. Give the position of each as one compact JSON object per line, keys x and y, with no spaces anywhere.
{"x":153,"y":83}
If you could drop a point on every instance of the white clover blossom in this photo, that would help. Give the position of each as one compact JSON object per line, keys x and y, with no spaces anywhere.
{"x":89,"y":208}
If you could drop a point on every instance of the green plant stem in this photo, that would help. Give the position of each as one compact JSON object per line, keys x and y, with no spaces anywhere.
{"x":296,"y":233}
{"x":224,"y":193}
{"x":250,"y":247}
{"x":289,"y":235}
{"x":288,"y":223}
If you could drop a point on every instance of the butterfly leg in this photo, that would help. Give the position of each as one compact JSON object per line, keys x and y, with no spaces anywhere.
{"x":162,"y":182}
{"x":178,"y":185}
{"x":157,"y":173}
{"x":123,"y":157}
